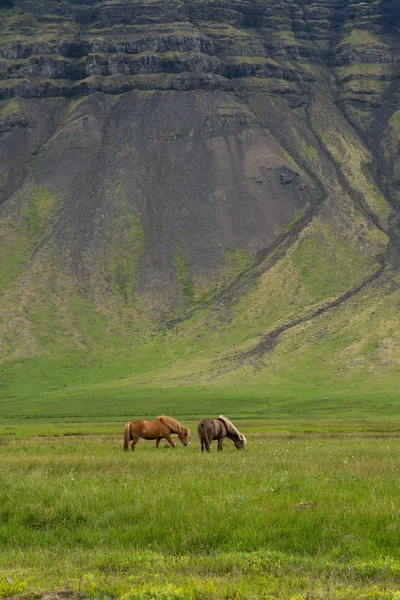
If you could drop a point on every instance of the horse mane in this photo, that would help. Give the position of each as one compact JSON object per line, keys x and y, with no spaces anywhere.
{"x":232,"y":429}
{"x":174,"y":425}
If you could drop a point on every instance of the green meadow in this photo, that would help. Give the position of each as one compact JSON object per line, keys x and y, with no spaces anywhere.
{"x":310,"y":510}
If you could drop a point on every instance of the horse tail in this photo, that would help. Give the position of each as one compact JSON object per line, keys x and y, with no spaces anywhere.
{"x":200,"y":430}
{"x":127,"y":436}
{"x":203,"y":434}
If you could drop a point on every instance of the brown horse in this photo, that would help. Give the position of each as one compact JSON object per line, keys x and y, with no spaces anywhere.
{"x":219,"y":429}
{"x":157,"y":429}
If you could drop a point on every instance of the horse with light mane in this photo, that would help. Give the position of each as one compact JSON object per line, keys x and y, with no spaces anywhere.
{"x":157,"y":429}
{"x":219,"y":429}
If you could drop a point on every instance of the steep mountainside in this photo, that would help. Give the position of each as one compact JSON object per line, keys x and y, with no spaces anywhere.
{"x":201,"y":192}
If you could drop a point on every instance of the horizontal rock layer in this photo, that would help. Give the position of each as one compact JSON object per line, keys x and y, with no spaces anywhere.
{"x":67,"y":48}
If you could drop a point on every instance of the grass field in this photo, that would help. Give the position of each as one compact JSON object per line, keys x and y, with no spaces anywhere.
{"x":307,"y":511}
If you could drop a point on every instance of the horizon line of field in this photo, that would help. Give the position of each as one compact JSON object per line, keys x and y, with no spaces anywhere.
{"x":280,"y":428}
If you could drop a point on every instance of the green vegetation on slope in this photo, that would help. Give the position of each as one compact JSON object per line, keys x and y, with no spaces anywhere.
{"x":395,"y":121}
{"x":361,"y":37}
{"x":19,"y":238}
{"x":123,"y":252}
{"x":182,"y":275}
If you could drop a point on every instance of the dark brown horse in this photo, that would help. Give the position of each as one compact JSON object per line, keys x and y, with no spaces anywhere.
{"x":219,"y":429}
{"x":159,"y":428}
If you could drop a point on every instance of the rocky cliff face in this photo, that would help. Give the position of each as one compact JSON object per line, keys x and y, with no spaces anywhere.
{"x":57,"y":48}
{"x":150,"y":152}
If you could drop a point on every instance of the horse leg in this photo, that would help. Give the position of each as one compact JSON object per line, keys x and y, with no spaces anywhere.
{"x":134,"y":442}
{"x":206,"y":441}
{"x":219,"y":449}
{"x":170,"y":441}
{"x":158,"y":442}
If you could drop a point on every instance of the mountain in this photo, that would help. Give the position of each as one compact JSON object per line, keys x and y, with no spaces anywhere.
{"x":199,"y":193}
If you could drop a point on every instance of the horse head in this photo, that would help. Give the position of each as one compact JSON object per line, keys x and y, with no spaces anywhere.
{"x":239,"y":443}
{"x":183,"y":436}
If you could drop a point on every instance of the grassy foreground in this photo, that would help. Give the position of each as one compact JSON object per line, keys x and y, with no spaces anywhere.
{"x":305,"y":512}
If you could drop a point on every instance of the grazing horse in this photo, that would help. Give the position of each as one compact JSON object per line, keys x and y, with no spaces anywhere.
{"x":219,"y":429}
{"x":159,"y":428}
